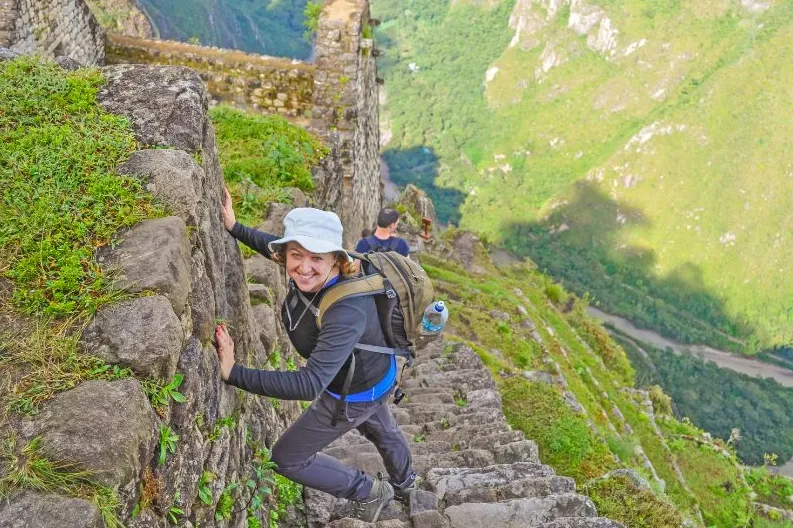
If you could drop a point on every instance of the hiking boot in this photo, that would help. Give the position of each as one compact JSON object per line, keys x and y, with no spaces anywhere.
{"x":402,"y":491}
{"x":368,"y":510}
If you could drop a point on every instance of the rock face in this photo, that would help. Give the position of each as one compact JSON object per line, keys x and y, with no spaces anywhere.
{"x":166,"y":106}
{"x":52,"y":28}
{"x":171,"y":176}
{"x":143,"y":334}
{"x":50,"y":511}
{"x":152,"y":256}
{"x":476,"y":471}
{"x":184,"y":273}
{"x":107,"y":428}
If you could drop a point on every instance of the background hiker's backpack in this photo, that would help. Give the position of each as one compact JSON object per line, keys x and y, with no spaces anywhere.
{"x":376,"y":245}
{"x":401,"y":290}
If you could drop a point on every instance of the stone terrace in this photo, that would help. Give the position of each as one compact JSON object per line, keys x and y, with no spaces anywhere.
{"x":475,"y":470}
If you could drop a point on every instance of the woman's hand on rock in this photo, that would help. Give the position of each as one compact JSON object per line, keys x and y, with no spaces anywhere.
{"x":227,"y":211}
{"x":225,"y":351}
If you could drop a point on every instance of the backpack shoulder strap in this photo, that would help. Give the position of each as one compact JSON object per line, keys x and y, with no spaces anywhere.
{"x":367,"y":285}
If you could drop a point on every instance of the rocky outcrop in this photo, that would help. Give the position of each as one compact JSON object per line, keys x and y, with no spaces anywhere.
{"x":475,"y":470}
{"x":182,"y":274}
{"x":50,"y":511}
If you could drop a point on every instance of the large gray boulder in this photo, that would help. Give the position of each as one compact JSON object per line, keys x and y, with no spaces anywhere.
{"x":49,"y":511}
{"x":8,"y":54}
{"x":172,"y":176}
{"x":105,"y":427}
{"x":153,"y":255}
{"x":165,"y":105}
{"x":143,"y":334}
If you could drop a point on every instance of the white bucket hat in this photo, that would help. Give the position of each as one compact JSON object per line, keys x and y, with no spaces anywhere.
{"x":317,"y":231}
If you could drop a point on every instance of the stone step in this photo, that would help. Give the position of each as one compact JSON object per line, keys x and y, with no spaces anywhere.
{"x":416,"y":448}
{"x":520,"y":451}
{"x":457,"y":433}
{"x":459,"y":360}
{"x":475,"y":458}
{"x":586,"y":522}
{"x":494,"y":439}
{"x":440,"y":480}
{"x":463,"y":381}
{"x":495,"y":421}
{"x":429,"y":399}
{"x":516,"y":489}
{"x":519,"y":513}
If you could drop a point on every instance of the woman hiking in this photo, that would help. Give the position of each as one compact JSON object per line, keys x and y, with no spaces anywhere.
{"x":311,"y":251}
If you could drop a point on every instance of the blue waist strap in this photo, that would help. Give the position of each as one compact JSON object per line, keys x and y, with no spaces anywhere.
{"x":376,"y":392}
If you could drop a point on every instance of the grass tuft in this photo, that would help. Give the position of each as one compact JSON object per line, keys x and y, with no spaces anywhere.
{"x":28,"y":469}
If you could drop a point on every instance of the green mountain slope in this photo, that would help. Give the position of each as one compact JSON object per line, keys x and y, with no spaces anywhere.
{"x":635,"y":149}
{"x":569,"y":386}
{"x":270,"y":27}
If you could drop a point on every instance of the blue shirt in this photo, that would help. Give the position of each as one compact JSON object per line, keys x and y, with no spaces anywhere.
{"x":372,"y":243}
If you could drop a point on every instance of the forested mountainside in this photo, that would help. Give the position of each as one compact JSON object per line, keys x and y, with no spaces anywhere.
{"x":268,"y":27}
{"x":567,"y":385}
{"x":562,"y":381}
{"x":635,"y":149}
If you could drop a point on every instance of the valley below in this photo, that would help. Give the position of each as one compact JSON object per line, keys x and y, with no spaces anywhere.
{"x":726,"y":360}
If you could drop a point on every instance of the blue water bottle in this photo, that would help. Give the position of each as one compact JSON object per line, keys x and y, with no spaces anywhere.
{"x":435,"y":317}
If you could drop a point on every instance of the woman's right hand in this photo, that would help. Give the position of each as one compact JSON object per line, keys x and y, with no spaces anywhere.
{"x":225,"y":348}
{"x":227,"y":211}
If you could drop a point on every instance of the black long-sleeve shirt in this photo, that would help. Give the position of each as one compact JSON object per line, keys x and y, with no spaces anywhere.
{"x":347,"y":322}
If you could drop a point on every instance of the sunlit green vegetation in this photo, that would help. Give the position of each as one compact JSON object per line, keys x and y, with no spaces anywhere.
{"x":719,"y":400}
{"x":683,"y":228}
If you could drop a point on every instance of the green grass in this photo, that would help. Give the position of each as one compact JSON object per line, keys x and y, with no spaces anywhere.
{"x":619,"y":499}
{"x":565,"y":441}
{"x":720,"y":168}
{"x":771,"y":489}
{"x":60,"y":197}
{"x":261,"y":156}
{"x":714,"y":479}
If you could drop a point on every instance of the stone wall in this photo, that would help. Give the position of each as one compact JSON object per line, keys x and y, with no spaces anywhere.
{"x":346,"y":113}
{"x":52,"y":28}
{"x":268,"y":84}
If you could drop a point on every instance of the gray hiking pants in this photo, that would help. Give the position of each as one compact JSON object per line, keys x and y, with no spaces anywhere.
{"x":297,"y":450}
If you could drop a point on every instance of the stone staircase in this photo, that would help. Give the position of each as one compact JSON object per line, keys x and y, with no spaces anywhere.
{"x":475,"y":470}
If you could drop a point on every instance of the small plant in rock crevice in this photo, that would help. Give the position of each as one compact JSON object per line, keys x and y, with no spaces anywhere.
{"x":174,"y":511}
{"x":226,"y":422}
{"x":204,"y":491}
{"x":168,"y":442}
{"x":161,"y":395}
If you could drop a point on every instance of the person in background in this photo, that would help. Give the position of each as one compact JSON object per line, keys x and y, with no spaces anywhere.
{"x":384,"y":237}
{"x":311,"y":251}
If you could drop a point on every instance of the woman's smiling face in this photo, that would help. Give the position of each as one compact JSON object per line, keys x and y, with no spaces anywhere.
{"x":310,"y":271}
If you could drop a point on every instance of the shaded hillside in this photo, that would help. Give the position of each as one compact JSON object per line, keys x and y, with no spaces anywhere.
{"x":272,"y":27}
{"x":671,"y":112}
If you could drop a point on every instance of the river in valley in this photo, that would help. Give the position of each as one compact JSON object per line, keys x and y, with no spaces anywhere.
{"x":742,"y":364}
